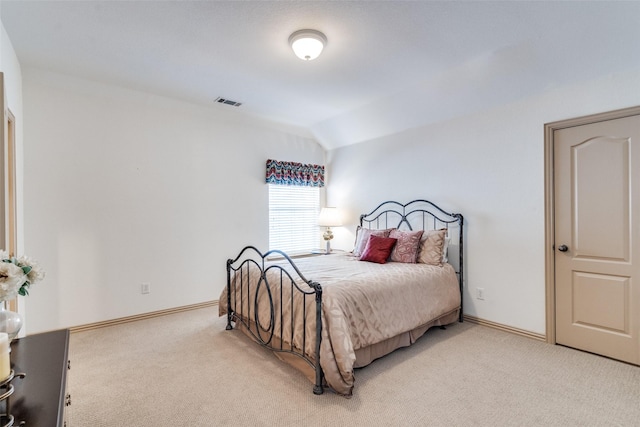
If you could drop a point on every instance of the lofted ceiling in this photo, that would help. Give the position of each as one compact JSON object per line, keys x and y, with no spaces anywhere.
{"x":388,"y":65}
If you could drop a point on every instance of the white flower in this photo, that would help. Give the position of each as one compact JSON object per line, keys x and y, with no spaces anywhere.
{"x":16,"y":275}
{"x":36,"y":273}
{"x":11,"y":279}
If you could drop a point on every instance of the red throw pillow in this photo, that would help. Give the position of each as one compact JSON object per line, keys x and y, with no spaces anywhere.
{"x":378,"y":249}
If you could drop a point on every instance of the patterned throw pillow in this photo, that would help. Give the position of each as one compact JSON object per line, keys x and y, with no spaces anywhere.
{"x":432,"y":247}
{"x":406,"y":250}
{"x":378,"y":249}
{"x":362,"y":238}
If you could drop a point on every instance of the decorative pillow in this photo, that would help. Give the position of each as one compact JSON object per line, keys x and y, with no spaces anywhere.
{"x":362,"y":237}
{"x":406,"y":249}
{"x":432,"y":247}
{"x":378,"y":249}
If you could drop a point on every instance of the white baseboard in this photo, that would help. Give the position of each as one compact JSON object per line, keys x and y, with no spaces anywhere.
{"x":142,"y":316}
{"x":505,"y":328}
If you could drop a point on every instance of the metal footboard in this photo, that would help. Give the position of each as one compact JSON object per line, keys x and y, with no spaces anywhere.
{"x":252,"y":284}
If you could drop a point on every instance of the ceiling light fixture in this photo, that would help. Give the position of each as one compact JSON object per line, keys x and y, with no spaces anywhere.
{"x":307,"y":44}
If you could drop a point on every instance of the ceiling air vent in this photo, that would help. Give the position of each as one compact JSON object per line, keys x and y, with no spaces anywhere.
{"x":228,"y":102}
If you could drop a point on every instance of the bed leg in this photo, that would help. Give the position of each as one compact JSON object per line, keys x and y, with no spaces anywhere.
{"x":229,"y":317}
{"x":317,"y":388}
{"x":229,"y":327}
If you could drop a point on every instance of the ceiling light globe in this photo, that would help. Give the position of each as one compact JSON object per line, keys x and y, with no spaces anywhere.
{"x":307,"y":44}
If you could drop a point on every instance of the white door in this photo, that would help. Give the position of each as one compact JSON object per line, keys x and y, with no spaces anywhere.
{"x":597,"y":251}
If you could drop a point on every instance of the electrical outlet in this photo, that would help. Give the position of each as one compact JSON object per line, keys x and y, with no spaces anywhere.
{"x":480,"y":293}
{"x":145,"y":288}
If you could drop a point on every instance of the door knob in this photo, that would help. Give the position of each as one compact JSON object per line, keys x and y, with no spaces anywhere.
{"x":563,"y":248}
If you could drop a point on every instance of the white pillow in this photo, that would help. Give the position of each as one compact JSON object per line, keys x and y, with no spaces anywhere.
{"x":362,"y":237}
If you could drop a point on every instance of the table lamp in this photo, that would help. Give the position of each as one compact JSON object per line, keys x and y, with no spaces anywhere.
{"x":329,"y":217}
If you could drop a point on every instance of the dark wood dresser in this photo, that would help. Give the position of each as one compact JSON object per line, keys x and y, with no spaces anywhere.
{"x":39,"y":398}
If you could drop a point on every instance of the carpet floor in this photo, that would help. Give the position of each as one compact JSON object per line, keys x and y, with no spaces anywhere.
{"x":184,"y":369}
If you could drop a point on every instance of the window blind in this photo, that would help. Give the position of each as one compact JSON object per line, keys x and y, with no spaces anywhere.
{"x":293,"y":218}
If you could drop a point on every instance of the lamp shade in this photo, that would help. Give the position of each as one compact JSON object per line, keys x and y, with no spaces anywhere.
{"x":307,"y":44}
{"x":330,"y":217}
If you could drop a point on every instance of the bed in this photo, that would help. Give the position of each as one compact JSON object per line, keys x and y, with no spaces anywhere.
{"x":328,"y":315}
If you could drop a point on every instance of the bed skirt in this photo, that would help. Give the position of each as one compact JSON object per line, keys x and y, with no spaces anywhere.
{"x":366,"y":355}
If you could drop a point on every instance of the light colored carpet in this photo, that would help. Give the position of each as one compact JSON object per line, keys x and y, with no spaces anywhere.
{"x":185,"y":370}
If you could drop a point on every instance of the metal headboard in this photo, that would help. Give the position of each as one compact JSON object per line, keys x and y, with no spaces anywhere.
{"x":422,"y":215}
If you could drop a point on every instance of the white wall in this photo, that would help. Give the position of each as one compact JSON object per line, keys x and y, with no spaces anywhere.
{"x":488,"y":166}
{"x":123,"y":187}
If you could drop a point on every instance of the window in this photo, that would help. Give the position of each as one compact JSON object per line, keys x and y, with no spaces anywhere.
{"x":293,"y":218}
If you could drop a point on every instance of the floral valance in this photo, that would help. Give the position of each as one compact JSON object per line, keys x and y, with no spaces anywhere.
{"x":292,"y":173}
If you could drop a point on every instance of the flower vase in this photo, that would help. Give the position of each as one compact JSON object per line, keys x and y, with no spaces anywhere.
{"x":10,"y":322}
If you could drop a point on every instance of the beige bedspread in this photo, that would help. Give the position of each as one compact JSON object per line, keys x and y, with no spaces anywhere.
{"x":362,"y":304}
